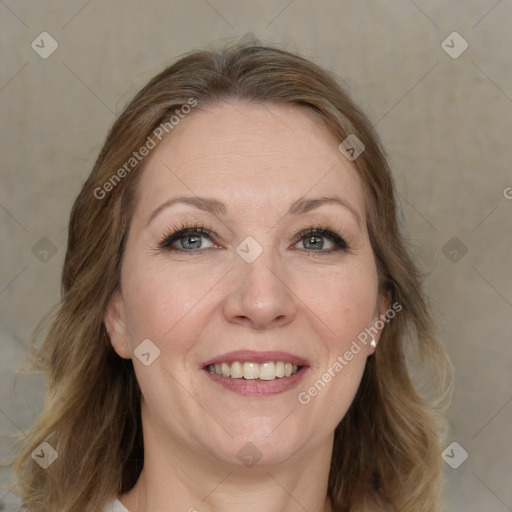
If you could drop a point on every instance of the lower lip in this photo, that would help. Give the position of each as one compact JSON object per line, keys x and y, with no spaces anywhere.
{"x":258,"y":388}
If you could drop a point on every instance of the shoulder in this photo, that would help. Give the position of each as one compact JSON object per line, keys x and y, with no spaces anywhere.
{"x":115,"y":506}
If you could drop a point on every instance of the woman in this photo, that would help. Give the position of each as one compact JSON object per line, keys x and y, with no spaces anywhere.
{"x":239,"y":314}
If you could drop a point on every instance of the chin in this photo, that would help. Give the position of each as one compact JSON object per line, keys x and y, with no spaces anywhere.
{"x":262,"y":447}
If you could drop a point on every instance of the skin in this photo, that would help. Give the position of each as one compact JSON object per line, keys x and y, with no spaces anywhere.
{"x":313,"y":302}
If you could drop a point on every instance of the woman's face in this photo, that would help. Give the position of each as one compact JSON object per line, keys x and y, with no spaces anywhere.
{"x":255,"y":287}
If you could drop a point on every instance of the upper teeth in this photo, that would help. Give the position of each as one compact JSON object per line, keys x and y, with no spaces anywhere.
{"x":249,"y":370}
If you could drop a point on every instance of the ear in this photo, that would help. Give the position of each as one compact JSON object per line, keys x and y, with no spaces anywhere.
{"x":115,"y":323}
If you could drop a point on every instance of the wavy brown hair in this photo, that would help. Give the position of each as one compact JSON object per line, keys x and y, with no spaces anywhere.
{"x":386,"y":451}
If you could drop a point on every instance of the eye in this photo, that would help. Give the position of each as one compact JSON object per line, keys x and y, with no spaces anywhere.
{"x":192,"y":238}
{"x":313,"y":239}
{"x":186,"y":239}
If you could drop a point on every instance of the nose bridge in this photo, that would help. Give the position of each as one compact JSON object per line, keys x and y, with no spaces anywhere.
{"x":259,"y":292}
{"x":264,"y":270}
{"x":261,"y":271}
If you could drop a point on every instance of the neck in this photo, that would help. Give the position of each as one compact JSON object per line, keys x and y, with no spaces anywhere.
{"x":177,"y":478}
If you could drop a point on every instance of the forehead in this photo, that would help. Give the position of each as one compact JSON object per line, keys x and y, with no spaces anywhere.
{"x":255,"y":155}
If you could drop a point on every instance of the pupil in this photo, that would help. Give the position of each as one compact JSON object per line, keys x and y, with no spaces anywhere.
{"x":196,"y":242}
{"x":319,"y":242}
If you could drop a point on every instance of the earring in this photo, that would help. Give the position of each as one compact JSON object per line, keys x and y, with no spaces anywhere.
{"x":373,"y":343}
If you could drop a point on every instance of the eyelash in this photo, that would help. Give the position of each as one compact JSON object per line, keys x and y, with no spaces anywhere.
{"x":182,"y":230}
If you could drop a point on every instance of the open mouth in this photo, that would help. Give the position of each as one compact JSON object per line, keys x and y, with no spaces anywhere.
{"x":256,"y":374}
{"x":249,"y":370}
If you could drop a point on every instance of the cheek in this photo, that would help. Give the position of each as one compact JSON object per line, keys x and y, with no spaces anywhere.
{"x":346,"y":302}
{"x":160,"y":300}
{"x":344,"y":308}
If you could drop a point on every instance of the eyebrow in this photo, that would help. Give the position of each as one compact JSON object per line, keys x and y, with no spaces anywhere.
{"x":218,"y":208}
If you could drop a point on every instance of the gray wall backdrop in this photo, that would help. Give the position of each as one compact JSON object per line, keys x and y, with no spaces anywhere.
{"x":444,"y":112}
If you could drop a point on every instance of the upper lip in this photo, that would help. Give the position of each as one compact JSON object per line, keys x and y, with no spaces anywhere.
{"x":256,"y":357}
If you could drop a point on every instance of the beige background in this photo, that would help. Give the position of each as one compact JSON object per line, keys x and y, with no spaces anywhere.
{"x":446,"y":123}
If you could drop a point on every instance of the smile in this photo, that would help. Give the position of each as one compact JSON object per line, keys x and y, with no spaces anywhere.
{"x":250,"y":370}
{"x":256,"y":374}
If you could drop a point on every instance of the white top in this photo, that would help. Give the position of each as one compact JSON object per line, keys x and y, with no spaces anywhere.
{"x":115,"y":506}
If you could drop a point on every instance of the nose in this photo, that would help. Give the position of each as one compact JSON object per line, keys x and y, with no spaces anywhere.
{"x":259,"y":294}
